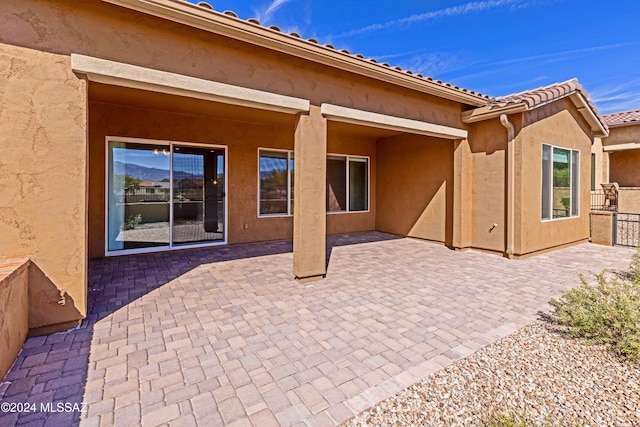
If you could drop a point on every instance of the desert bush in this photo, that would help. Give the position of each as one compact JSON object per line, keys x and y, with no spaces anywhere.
{"x":605,"y":312}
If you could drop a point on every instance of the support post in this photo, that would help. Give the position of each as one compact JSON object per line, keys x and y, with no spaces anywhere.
{"x":309,"y":214}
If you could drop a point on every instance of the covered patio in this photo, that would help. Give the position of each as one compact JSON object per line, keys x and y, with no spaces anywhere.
{"x":226,"y":336}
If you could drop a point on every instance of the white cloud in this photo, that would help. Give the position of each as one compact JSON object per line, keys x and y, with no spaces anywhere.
{"x":463,"y":9}
{"x":616,"y":97}
{"x":264,"y":16}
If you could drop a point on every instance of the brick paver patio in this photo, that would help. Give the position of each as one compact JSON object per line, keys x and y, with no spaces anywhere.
{"x":225,"y":336}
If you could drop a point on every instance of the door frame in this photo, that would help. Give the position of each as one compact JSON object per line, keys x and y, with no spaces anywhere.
{"x":170,"y":246}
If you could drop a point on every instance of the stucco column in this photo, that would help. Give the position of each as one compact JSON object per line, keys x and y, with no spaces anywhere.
{"x":462,"y":164}
{"x":309,"y":214}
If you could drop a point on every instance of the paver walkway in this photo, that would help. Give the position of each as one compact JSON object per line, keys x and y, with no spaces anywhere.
{"x":226,"y":337}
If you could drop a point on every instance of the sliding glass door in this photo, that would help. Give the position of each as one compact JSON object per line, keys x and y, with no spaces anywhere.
{"x":198,"y":195}
{"x":164,"y":195}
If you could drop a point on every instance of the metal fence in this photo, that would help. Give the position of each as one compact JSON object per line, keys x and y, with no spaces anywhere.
{"x":626,"y":229}
{"x":599,"y":201}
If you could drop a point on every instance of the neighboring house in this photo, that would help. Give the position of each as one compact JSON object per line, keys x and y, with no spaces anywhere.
{"x":616,"y":158}
{"x":279,"y":137}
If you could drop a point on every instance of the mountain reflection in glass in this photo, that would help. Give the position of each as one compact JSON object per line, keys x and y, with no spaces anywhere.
{"x":138,"y":195}
{"x":198,"y":191}
{"x":140,"y":180}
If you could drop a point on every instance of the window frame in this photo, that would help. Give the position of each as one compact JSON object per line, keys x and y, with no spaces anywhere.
{"x":171,"y":246}
{"x":572,"y":178}
{"x":290,"y":157}
{"x":347,"y":183}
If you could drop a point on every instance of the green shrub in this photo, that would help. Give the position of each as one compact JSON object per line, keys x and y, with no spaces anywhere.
{"x":607,"y":312}
{"x":131,"y":222}
{"x":515,"y":418}
{"x":510,"y":419}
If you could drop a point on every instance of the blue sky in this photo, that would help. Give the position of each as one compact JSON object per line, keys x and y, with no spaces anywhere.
{"x":495,"y":47}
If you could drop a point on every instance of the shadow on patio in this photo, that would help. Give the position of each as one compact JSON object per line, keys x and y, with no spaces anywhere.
{"x":225,"y":335}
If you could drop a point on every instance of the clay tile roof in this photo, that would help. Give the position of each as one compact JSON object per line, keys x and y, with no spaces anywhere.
{"x":543,"y":95}
{"x":623,"y":118}
{"x":206,"y":6}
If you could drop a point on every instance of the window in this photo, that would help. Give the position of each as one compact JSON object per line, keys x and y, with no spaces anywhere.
{"x":161,"y":195}
{"x":275,"y":177}
{"x":560,"y":182}
{"x":347,"y":183}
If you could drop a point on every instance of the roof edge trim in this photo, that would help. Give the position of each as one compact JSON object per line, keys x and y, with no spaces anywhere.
{"x":621,"y":147}
{"x":190,"y":15}
{"x":621,"y":125}
{"x":384,"y":121}
{"x":132,"y":76}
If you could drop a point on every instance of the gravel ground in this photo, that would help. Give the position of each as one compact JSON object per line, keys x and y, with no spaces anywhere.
{"x":536,"y":372}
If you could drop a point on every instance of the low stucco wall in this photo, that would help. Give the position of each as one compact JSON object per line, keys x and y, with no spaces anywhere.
{"x":43,"y":176}
{"x":602,"y":227}
{"x":14,"y":310}
{"x":629,"y":199}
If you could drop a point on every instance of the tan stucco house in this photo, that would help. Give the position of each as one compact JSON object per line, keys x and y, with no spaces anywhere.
{"x":616,"y":158}
{"x":131,"y":126}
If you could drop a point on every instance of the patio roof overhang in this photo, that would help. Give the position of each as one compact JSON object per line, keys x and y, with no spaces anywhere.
{"x":622,"y":147}
{"x":383,"y":121}
{"x":131,"y":76}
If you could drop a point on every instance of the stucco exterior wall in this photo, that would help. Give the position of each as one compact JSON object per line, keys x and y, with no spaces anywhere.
{"x":415,"y":187}
{"x":622,"y":135}
{"x":624,"y":167}
{"x":602,"y":163}
{"x":98,"y":29}
{"x":243,"y":138}
{"x":488,"y":142}
{"x":43,"y":171}
{"x":558,"y":124}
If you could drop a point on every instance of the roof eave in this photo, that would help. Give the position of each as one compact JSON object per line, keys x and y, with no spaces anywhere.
{"x":194,"y":16}
{"x":486,"y":112}
{"x":621,"y":125}
{"x":598,"y":128}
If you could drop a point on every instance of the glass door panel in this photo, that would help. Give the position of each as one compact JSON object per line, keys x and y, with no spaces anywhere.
{"x":198,"y":195}
{"x":138,"y":182}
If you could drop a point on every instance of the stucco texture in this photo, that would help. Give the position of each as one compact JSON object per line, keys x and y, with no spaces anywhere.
{"x":415,"y":187}
{"x":43,"y":176}
{"x":601,"y":172}
{"x":488,"y":142}
{"x":624,"y":167}
{"x":101,"y":30}
{"x":14,"y":313}
{"x":629,"y":199}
